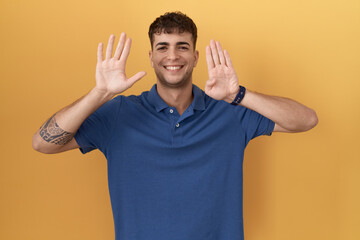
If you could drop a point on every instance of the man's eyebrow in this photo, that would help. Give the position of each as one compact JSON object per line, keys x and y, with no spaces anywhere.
{"x":183,"y":43}
{"x":167,"y":44}
{"x":162,"y":43}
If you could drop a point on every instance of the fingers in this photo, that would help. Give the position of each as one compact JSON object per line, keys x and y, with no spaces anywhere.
{"x":136,"y":77}
{"x":110,"y":45}
{"x":228,"y":59}
{"x":126,"y":52}
{"x":220,"y":52}
{"x":214,"y":52}
{"x":122,"y":50}
{"x":209,"y":59}
{"x":215,"y":55}
{"x":100,"y":53}
{"x":120,"y":46}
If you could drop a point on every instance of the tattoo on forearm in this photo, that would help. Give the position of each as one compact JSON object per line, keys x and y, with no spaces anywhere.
{"x":52,"y":133}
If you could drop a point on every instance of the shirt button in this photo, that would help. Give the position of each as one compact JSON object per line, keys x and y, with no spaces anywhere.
{"x":177,"y":125}
{"x":171,"y":111}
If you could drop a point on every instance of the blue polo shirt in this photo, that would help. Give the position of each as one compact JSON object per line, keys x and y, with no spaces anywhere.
{"x":174,"y":177}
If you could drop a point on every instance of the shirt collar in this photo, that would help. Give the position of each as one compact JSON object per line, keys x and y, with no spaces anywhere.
{"x":199,"y":98}
{"x":159,"y":104}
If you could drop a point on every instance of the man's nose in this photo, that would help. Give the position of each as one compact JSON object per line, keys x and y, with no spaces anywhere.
{"x":172,"y":54}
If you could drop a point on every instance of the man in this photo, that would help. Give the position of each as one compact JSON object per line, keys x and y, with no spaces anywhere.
{"x":174,"y":153}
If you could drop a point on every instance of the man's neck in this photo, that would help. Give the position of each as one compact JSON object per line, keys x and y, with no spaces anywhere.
{"x":180,"y":98}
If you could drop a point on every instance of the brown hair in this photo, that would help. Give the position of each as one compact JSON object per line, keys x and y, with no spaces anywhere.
{"x":173,"y":22}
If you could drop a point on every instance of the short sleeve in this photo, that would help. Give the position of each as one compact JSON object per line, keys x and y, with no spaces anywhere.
{"x":96,"y":130}
{"x":253,"y":123}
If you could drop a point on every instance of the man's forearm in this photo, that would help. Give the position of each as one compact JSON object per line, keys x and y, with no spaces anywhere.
{"x":288,"y":115}
{"x":60,"y":129}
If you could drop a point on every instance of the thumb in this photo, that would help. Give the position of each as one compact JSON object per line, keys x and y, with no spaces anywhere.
{"x":209,"y":84}
{"x":136,"y":77}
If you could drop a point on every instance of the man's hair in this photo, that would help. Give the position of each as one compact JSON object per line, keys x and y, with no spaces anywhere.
{"x":173,"y":22}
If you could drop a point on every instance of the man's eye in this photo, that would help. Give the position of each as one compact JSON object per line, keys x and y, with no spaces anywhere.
{"x":184,"y":48}
{"x":161,"y":48}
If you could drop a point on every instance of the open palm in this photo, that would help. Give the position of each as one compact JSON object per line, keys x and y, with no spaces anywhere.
{"x":110,"y":72}
{"x":223,"y":83}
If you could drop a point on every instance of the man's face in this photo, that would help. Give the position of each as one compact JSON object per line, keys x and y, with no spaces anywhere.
{"x":173,"y":58}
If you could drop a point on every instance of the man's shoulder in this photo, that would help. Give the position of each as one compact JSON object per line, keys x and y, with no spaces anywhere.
{"x":131,"y":98}
{"x":130,"y":101}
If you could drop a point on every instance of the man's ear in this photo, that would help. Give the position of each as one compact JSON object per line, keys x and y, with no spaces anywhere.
{"x":196,"y":55}
{"x":150,"y":57}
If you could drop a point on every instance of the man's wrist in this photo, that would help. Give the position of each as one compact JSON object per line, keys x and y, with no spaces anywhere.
{"x":102,"y":95}
{"x":230,"y":98}
{"x":239,"y":96}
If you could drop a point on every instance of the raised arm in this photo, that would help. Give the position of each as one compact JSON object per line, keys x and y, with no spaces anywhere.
{"x":223,"y":84}
{"x":57,"y":134}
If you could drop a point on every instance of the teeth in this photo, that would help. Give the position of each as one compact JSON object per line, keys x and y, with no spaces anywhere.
{"x":172,"y":67}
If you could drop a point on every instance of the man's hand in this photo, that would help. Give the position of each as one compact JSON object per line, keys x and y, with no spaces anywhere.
{"x":223,"y":83}
{"x":110,"y":72}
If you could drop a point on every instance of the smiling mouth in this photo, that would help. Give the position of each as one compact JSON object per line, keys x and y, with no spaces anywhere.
{"x":173,"y":68}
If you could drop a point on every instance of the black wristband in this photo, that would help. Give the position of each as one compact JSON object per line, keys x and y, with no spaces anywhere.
{"x":239,"y":97}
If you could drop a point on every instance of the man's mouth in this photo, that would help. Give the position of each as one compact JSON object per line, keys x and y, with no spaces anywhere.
{"x":173,"y":67}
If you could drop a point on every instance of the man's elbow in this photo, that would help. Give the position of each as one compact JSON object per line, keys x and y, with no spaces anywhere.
{"x":307,"y":122}
{"x":311,"y":120}
{"x":38,"y":144}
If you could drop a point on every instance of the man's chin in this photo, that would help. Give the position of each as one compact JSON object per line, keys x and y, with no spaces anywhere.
{"x":174,"y":83}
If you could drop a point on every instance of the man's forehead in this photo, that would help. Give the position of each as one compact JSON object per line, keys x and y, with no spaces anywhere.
{"x":173,"y":37}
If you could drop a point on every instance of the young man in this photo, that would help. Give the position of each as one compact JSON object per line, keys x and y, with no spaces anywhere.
{"x":174,"y":153}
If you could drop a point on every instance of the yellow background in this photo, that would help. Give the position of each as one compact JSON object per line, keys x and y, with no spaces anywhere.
{"x":296,"y":186}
